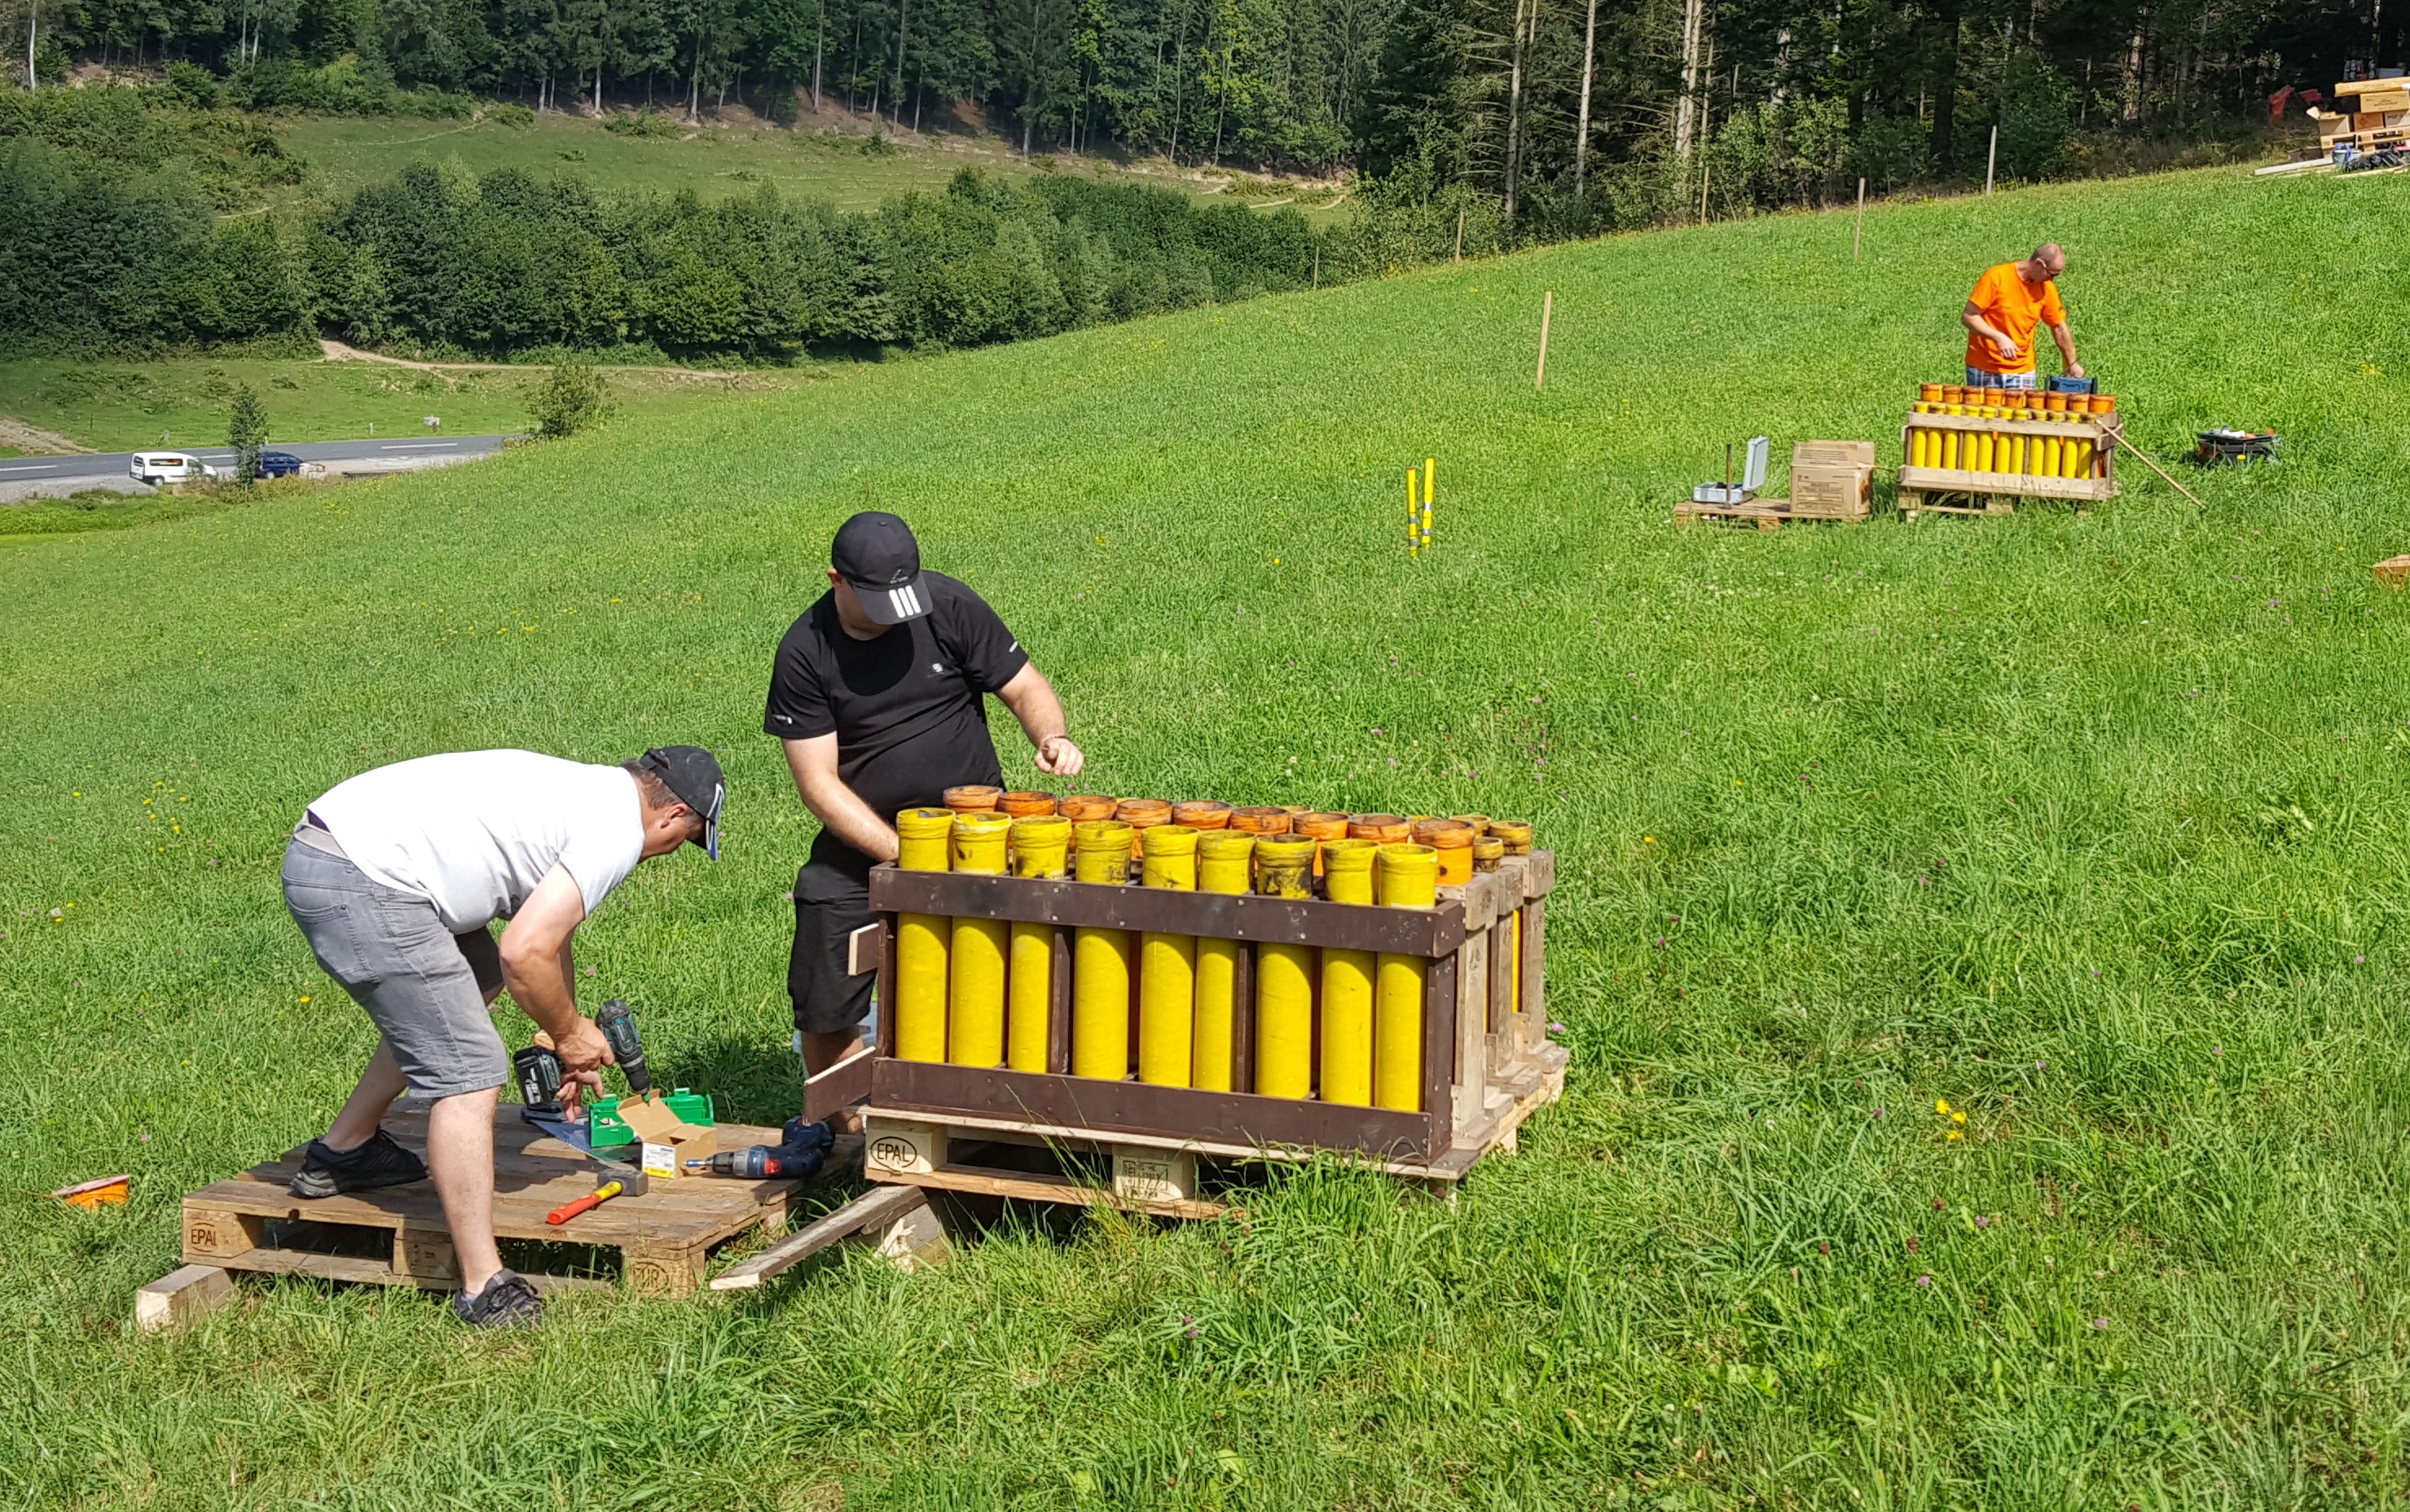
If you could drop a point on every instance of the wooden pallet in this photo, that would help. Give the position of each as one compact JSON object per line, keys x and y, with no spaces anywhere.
{"x":398,"y":1236}
{"x":1766,"y":514}
{"x":1137,"y":1173}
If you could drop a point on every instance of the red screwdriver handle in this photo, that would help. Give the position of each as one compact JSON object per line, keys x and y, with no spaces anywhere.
{"x":570,"y":1210}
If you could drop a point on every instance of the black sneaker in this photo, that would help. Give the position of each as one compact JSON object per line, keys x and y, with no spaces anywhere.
{"x":508,"y":1301}
{"x":380,"y":1162}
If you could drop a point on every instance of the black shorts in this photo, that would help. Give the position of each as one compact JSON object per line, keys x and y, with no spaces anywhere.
{"x":830,"y":905}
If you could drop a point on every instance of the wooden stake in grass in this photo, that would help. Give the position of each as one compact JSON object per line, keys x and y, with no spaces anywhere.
{"x":1548,"y":308}
{"x":1459,"y":233}
{"x":1858,"y":238}
{"x":1990,"y":158}
{"x":2117,"y":435}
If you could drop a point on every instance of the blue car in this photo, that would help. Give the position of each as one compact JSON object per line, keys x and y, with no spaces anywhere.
{"x":279,"y":465}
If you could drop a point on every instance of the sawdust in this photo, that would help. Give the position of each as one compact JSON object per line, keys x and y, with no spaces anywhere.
{"x":34,"y":440}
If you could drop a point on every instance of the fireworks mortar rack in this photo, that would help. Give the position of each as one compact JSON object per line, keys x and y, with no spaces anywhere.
{"x":1986,"y":447}
{"x":1150,"y":983}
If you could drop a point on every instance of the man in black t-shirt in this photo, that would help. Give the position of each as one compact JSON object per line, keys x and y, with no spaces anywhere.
{"x":877,"y":692}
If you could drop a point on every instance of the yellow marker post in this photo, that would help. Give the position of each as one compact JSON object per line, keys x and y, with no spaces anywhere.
{"x":1414,"y":499}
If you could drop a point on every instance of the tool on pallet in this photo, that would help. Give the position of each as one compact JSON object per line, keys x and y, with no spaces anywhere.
{"x":537,"y":1072}
{"x":806,"y":1148}
{"x":601,"y":1195}
{"x":1753,"y":477}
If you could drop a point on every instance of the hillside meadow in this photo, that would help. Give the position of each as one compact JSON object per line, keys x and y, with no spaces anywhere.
{"x":2087,"y":826}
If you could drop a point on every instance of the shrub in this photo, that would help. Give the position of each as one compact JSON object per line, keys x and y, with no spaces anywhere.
{"x":193,"y":84}
{"x":247,"y":432}
{"x":510,"y":113}
{"x":572,"y":398}
{"x":2037,"y":118}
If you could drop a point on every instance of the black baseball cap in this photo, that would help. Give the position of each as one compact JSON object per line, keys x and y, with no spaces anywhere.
{"x":693,"y":773}
{"x":875,"y":554}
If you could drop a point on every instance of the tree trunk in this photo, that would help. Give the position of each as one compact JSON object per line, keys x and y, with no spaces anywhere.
{"x":1589,"y":70}
{"x":2133,"y":91}
{"x":32,"y":20}
{"x":1945,"y":90}
{"x":1515,"y":108}
{"x":903,"y":30}
{"x":818,"y":37}
{"x":1686,"y":109}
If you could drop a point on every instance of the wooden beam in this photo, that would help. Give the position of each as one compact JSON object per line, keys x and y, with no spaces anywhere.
{"x":872,"y":1210}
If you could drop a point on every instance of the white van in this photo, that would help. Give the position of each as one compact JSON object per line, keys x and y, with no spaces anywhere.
{"x":156,"y":467}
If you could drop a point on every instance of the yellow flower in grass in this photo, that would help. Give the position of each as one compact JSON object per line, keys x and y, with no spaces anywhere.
{"x":1957,"y":1118}
{"x":1940,"y":1105}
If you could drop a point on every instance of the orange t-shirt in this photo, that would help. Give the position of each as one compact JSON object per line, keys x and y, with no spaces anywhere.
{"x":2013,"y":308}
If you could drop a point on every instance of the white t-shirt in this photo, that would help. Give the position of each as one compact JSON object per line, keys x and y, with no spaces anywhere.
{"x":473,"y":831}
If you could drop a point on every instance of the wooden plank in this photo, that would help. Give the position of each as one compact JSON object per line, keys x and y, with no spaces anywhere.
{"x":1430,"y":933}
{"x":622,"y":1220}
{"x":875,"y":1209}
{"x":213,"y":1231}
{"x":1058,"y":1009}
{"x":1109,"y":1109}
{"x":1439,"y":1052}
{"x":181,"y":1296}
{"x":1242,"y":1021}
{"x":1049,"y":1136}
{"x":865,"y":949}
{"x":886,"y":988}
{"x":268,"y":1261}
{"x":1039,"y":1188}
{"x":1533,"y":1010}
{"x":2087,"y":428}
{"x":1470,"y":1078}
{"x":835,"y":1089}
{"x":2032,"y":486}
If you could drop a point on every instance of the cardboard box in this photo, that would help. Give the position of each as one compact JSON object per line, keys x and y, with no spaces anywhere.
{"x":668,"y":1142}
{"x":1832,"y":479}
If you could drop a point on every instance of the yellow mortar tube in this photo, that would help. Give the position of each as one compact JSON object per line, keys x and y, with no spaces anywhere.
{"x":1223,"y":865}
{"x":1029,"y":1002}
{"x":1347,"y":1027}
{"x":1041,"y":848}
{"x":1407,"y":877}
{"x":975,"y":1009}
{"x":1285,"y":1021}
{"x":1100,"y":979}
{"x":1167,"y":977}
{"x":923,"y":941}
{"x":1347,"y":870}
{"x":1100,"y":960}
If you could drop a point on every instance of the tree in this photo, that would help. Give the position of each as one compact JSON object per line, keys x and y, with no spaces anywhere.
{"x":247,"y":432}
{"x":572,"y":398}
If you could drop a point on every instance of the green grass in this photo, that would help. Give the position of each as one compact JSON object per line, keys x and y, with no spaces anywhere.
{"x":713,"y":162}
{"x":2090,"y":825}
{"x":119,"y":406}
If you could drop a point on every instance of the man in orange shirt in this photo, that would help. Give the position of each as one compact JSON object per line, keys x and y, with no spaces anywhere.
{"x":2009,"y":301}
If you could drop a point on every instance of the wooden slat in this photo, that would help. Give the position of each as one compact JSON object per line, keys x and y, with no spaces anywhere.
{"x":1470,"y":1078}
{"x":874,"y":1209}
{"x":1112,"y":1107}
{"x":2033,"y":485}
{"x":2087,"y":428}
{"x":1435,"y":932}
{"x":835,"y":1089}
{"x":180,"y":1297}
{"x":1039,"y":1188}
{"x":1439,"y":1052}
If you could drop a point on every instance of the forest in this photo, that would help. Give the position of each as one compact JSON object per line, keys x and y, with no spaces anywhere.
{"x":1573,"y":115}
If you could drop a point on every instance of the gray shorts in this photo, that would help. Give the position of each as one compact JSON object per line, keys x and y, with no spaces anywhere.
{"x":423,"y":986}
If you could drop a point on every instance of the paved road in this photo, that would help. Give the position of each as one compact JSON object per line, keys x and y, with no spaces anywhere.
{"x":49,"y":474}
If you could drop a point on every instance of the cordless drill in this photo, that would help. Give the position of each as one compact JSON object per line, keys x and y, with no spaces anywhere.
{"x":538,"y":1069}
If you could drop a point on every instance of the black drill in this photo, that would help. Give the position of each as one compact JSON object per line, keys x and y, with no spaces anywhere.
{"x":538,"y":1069}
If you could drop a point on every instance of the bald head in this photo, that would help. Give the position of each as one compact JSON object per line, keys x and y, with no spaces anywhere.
{"x":2048,"y":261}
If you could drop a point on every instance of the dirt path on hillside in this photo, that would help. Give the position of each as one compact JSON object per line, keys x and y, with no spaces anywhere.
{"x":35,"y":440}
{"x":337,"y":351}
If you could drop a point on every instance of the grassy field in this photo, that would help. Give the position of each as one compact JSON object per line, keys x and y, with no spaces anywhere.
{"x":713,"y":162}
{"x":119,"y":406}
{"x":2088,"y":826}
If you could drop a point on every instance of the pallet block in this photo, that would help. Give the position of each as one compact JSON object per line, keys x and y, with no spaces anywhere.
{"x":398,"y":1236}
